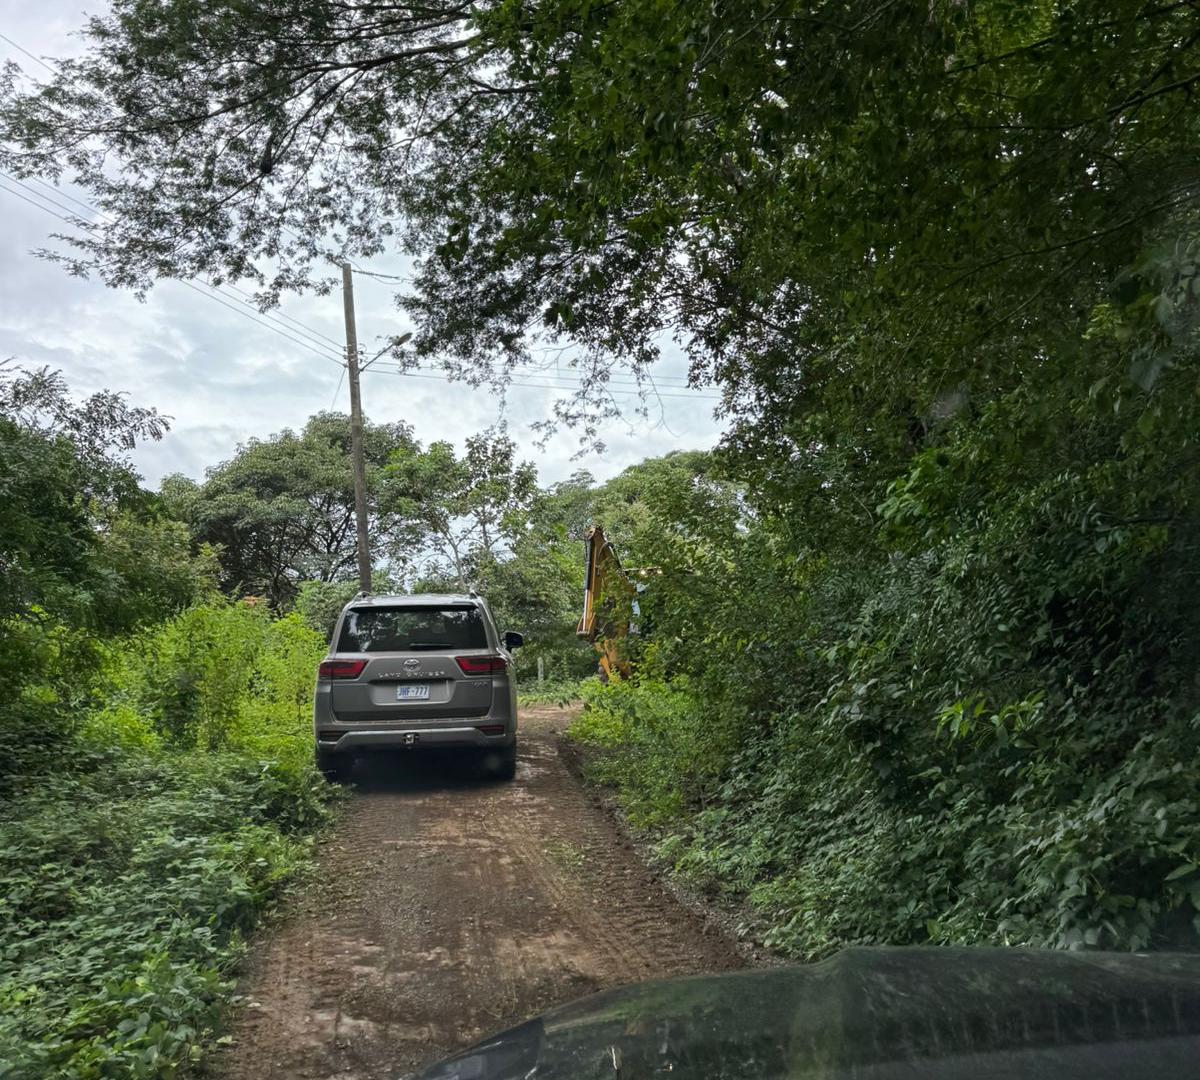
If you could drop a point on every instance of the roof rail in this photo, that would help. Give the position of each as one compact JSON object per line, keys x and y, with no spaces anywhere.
{"x":472,"y":593}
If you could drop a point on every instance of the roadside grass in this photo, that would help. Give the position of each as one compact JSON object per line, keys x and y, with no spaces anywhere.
{"x":560,"y":692}
{"x":1091,"y":851}
{"x":138,"y":855}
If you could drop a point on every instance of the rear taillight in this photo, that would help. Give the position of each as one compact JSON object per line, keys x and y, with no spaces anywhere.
{"x":341,"y":669}
{"x":481,"y":665}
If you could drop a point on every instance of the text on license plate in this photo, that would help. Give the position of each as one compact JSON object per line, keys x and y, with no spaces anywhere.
{"x":412,"y":693}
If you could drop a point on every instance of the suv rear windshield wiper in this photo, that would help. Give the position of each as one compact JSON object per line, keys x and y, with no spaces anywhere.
{"x":431,"y":645}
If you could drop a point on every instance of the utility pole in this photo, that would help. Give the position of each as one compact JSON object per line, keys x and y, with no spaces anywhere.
{"x":356,"y":433}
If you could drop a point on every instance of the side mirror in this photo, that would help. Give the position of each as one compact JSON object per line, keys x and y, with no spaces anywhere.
{"x":513,"y":640}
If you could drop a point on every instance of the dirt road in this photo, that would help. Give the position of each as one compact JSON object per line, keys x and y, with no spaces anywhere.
{"x":446,"y":908}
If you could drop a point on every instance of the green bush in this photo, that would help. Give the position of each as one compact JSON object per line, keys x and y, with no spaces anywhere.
{"x":193,"y":673}
{"x":218,"y":676}
{"x":665,"y":747}
{"x":967,"y":715}
{"x":275,"y":718}
{"x":178,"y":798}
{"x":551,"y":692}
{"x":156,"y":781}
{"x":126,"y":887}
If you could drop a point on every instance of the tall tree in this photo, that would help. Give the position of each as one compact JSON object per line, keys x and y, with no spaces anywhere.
{"x":281,"y":511}
{"x":465,"y":511}
{"x":83,"y":551}
{"x":66,"y":483}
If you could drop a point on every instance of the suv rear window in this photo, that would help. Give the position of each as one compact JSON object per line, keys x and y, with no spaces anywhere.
{"x":401,"y":629}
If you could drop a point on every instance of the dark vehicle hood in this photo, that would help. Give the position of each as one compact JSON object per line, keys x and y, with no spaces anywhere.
{"x":873,"y":1014}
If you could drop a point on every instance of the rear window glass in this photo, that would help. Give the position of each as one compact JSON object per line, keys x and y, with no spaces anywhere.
{"x":402,"y":629}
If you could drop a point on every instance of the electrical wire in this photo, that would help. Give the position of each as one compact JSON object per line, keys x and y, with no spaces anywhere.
{"x":35,"y":59}
{"x":287,"y":321}
{"x":619,"y":389}
{"x":559,"y":386}
{"x":312,"y":340}
{"x":191,"y":285}
{"x":216,"y":293}
{"x":378,"y":276}
{"x":527,"y":371}
{"x":562,"y":386}
{"x":296,"y":327}
{"x":295,"y":340}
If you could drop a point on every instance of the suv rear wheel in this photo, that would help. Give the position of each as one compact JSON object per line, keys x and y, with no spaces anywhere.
{"x":506,"y":767}
{"x":336,"y":768}
{"x":498,"y":764}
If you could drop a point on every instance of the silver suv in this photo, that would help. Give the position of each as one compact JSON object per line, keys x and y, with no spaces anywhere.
{"x":422,"y":672}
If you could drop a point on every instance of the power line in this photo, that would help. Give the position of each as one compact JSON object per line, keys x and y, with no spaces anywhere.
{"x":35,"y":59}
{"x":282,"y":333}
{"x":66,"y":195}
{"x":296,"y":327}
{"x":287,"y":321}
{"x":47,"y":198}
{"x":379,"y":276}
{"x":633,"y":385}
{"x":195,"y":288}
{"x":533,"y":370}
{"x":556,"y":386}
{"x":283,"y":330}
{"x":291,"y":232}
{"x":312,"y":339}
{"x":617,"y":387}
{"x":281,"y":316}
{"x":45,"y":209}
{"x":539,"y":371}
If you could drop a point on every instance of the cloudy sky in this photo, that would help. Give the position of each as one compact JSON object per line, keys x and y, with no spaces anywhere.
{"x":225,"y":378}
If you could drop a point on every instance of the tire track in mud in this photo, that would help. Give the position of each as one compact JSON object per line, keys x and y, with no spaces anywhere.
{"x":446,"y":908}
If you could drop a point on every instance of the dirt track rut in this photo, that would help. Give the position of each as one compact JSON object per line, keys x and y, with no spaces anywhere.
{"x":445,"y":909}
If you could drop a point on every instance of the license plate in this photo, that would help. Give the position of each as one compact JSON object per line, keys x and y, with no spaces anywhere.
{"x":412,"y":693}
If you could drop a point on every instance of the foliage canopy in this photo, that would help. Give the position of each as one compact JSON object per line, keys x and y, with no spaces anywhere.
{"x":281,"y":510}
{"x":885,"y":210}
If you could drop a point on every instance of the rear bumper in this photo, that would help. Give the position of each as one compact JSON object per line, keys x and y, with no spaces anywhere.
{"x":440,"y":736}
{"x":341,"y":736}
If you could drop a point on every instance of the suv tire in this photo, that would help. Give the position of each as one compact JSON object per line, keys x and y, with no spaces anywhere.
{"x":336,"y":768}
{"x":506,"y":768}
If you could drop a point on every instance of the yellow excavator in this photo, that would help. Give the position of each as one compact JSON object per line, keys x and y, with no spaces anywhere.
{"x":610,"y":605}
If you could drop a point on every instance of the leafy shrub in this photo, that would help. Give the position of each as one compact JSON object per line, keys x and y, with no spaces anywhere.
{"x":194,"y":672}
{"x":219,"y":676}
{"x":47,"y":675}
{"x":156,"y":784}
{"x":551,"y":692}
{"x":275,"y":717}
{"x":125,"y":890}
{"x":665,"y":746}
{"x":136,"y":855}
{"x":974,"y":719}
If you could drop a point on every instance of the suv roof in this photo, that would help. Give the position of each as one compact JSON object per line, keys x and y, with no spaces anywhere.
{"x":414,"y":600}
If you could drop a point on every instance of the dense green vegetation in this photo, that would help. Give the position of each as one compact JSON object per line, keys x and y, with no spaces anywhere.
{"x":974,"y":721}
{"x":918,"y":649}
{"x":282,"y":509}
{"x":157,"y":657}
{"x":156,"y":786}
